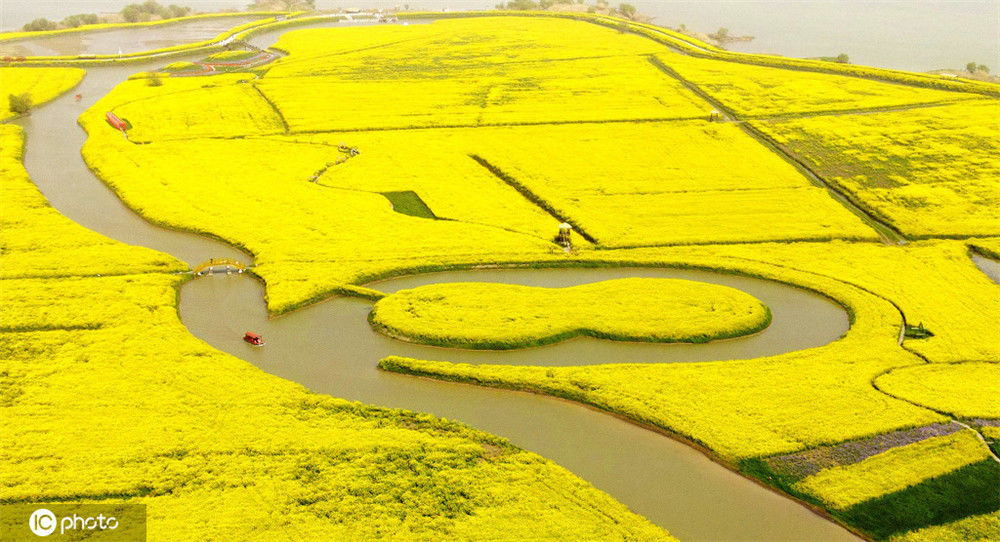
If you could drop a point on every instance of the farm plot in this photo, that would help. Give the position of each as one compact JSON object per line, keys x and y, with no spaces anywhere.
{"x":226,"y":107}
{"x":760,"y":91}
{"x":968,"y":390}
{"x":103,"y":384}
{"x":40,"y":84}
{"x":435,"y":165}
{"x":933,"y":282}
{"x":980,"y":528}
{"x":929,"y":171}
{"x":933,"y":481}
{"x":740,"y":409}
{"x":37,"y":241}
{"x":668,"y":183}
{"x":896,"y":469}
{"x":746,"y":409}
{"x":481,"y":72}
{"x":308,"y":240}
{"x":505,"y":316}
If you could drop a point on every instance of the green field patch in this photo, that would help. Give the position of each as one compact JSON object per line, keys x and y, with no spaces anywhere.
{"x":407,"y":202}
{"x":508,"y":316}
{"x":967,"y":491}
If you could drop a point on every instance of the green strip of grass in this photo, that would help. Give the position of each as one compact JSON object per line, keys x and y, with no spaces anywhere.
{"x":409,"y":203}
{"x":964,"y":492}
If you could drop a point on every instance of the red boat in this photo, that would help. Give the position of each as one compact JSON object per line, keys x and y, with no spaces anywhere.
{"x":253,"y":339}
{"x":116,"y":122}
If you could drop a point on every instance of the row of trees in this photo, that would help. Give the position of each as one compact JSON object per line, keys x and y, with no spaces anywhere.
{"x":131,"y":13}
{"x":146,"y":11}
{"x":72,"y":21}
{"x":974,"y":68}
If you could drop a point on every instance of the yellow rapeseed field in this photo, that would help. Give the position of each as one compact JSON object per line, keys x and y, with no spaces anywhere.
{"x":187,"y":111}
{"x":979,"y":528}
{"x":480,"y":72}
{"x":502,"y":128}
{"x":669,"y":183}
{"x":40,"y":84}
{"x":209,"y":443}
{"x":895,"y":469}
{"x":503,"y":316}
{"x":933,"y":283}
{"x":762,"y":91}
{"x":39,"y":242}
{"x":739,"y":408}
{"x":928,"y":171}
{"x":747,"y":408}
{"x":102,"y":384}
{"x":967,"y":390}
{"x":308,"y":240}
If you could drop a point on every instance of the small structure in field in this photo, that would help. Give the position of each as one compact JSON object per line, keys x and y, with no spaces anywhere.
{"x":565,"y":236}
{"x":116,"y":122}
{"x":714,"y":116}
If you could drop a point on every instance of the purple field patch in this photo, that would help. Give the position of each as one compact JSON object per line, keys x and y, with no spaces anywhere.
{"x":983,"y":422}
{"x":802,"y":464}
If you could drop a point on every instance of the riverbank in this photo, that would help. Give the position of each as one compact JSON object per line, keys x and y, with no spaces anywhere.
{"x":753,"y":412}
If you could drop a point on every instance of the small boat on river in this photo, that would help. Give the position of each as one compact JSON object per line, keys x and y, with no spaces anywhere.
{"x":253,"y":338}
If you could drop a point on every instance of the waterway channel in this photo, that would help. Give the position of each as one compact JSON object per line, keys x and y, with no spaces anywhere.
{"x":124,"y":40}
{"x":329,"y":348}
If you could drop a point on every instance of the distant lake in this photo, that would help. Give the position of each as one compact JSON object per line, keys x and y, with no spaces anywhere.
{"x":906,"y":34}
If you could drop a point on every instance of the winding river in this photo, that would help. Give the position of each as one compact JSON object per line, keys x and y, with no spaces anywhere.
{"x":329,"y":348}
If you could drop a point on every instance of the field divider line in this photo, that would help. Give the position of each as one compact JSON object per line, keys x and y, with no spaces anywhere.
{"x":889,"y":234}
{"x":274,"y":107}
{"x":860,"y":110}
{"x":531,"y":196}
{"x":951,"y":417}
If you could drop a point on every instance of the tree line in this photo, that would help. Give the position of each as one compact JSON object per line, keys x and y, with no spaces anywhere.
{"x":132,"y":13}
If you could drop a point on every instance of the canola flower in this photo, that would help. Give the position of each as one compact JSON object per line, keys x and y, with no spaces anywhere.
{"x":742,"y":409}
{"x":505,"y":316}
{"x":967,"y":390}
{"x":216,"y":110}
{"x":930,"y":172}
{"x":40,"y":84}
{"x":497,"y":191}
{"x":763,"y":91}
{"x":103,"y":384}
{"x":894,"y":470}
{"x":310,"y":226}
{"x":737,"y":408}
{"x":933,"y":283}
{"x":497,"y":71}
{"x":977,"y":528}
{"x":669,"y":183}
{"x":39,"y":242}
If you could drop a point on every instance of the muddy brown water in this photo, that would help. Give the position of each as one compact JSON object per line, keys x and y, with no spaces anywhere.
{"x":989,"y":266}
{"x":329,"y":348}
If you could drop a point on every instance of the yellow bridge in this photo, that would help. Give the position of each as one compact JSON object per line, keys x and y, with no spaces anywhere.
{"x":228,"y":263}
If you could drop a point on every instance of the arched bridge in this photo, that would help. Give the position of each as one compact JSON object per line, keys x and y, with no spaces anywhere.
{"x":227,"y":263}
